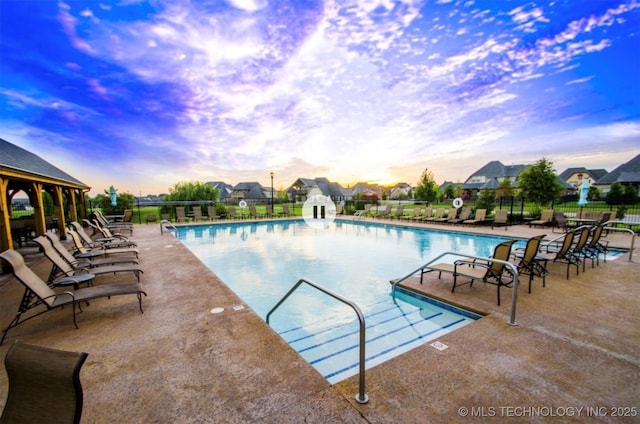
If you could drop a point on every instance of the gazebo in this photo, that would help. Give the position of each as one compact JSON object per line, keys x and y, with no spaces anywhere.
{"x":23,"y":171}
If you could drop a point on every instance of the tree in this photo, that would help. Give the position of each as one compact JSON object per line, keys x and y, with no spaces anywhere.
{"x":486,"y":200}
{"x":615,"y":195}
{"x":504,"y":189}
{"x":427,"y":188}
{"x":124,"y":201}
{"x":449,"y":191}
{"x":191,"y":191}
{"x":539,"y":183}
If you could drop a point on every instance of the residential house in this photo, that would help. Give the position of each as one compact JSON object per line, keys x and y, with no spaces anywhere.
{"x":301,"y":189}
{"x":574,"y":176}
{"x":399,"y":191}
{"x":250,"y":191}
{"x":491,"y":175}
{"x":224,"y":189}
{"x":367,"y":191}
{"x":627,"y":174}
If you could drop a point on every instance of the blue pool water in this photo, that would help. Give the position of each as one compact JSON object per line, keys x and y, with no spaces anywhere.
{"x":262,"y":261}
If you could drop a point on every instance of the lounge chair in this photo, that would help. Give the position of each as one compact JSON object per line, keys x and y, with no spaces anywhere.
{"x":437,"y":216}
{"x":563,"y":253}
{"x":109,"y":236}
{"x":595,"y":246}
{"x":562,"y":223}
{"x":37,"y":292}
{"x":384,"y":212}
{"x":61,"y":267}
{"x":426,"y":215}
{"x":479,"y":218}
{"x":211,"y":212}
{"x":181,"y":215}
{"x":90,"y":243}
{"x":253,"y":213}
{"x":232,"y":213}
{"x":501,"y":218}
{"x":87,"y":261}
{"x":197,"y":214}
{"x":286,"y":211}
{"x":415,"y":214}
{"x":399,"y":213}
{"x":546,"y":218}
{"x":530,"y":262}
{"x":579,"y":248}
{"x":446,"y":215}
{"x":82,"y":252}
{"x":43,"y":385}
{"x":484,"y":270}
{"x":465,"y":213}
{"x":118,"y":226}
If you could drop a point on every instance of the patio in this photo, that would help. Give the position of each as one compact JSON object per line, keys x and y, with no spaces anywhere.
{"x":575,"y":346}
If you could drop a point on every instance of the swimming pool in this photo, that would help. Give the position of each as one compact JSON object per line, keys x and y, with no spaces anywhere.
{"x":261,"y":261}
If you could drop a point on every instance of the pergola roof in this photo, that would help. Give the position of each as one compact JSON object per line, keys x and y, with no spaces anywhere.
{"x":15,"y":160}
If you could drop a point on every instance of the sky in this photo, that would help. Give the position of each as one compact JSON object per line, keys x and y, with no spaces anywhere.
{"x":142,"y":95}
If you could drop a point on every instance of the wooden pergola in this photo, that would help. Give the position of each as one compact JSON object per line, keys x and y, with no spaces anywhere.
{"x":23,"y":171}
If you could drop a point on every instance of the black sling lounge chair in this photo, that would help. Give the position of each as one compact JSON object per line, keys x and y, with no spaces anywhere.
{"x":37,"y":292}
{"x":44,"y":385}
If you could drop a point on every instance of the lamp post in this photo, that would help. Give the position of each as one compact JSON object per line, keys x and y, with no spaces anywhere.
{"x":271,"y":174}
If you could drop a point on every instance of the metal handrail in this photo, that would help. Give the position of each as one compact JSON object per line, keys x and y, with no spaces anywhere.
{"x":361,"y":397}
{"x":513,"y":269}
{"x":165,"y":221}
{"x":627,"y":230}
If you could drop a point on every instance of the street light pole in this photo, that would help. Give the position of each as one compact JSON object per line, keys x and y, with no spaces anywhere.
{"x":271,"y":174}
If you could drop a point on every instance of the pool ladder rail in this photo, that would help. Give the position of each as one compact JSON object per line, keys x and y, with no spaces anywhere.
{"x":168,"y":223}
{"x":361,"y":397}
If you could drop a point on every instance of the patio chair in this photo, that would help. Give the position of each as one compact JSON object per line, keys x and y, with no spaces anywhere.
{"x":62,"y":268}
{"x":485,"y":270}
{"x":546,"y":218}
{"x":197,"y":214}
{"x":211,"y":212}
{"x":465,"y":213}
{"x":286,"y":211}
{"x":37,"y":292}
{"x":43,"y":385}
{"x":109,"y":236}
{"x":426,"y":215}
{"x":253,"y":213}
{"x":181,"y":215}
{"x":563,"y":253}
{"x":384,"y":212}
{"x":117,"y":226}
{"x":100,"y":242}
{"x":232,"y":213}
{"x":415,"y":214}
{"x":437,"y":215}
{"x":579,"y":248}
{"x":530,"y":262}
{"x":83,"y":252}
{"x":399,"y":213}
{"x":88,"y":261}
{"x":562,"y":223}
{"x":501,"y":218}
{"x":595,"y":246}
{"x":479,"y":217}
{"x":445,"y":216}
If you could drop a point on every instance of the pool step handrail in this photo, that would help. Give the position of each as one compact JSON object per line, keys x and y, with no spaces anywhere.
{"x":512,"y":269}
{"x":168,"y":223}
{"x":611,"y":226}
{"x":361,"y":397}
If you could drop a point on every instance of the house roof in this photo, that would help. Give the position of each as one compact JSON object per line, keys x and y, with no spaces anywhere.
{"x":493,"y":170}
{"x":253,"y":190}
{"x":17,"y":159}
{"x":327,"y":187}
{"x":594,"y":173}
{"x":223,"y":188}
{"x":632,"y":166}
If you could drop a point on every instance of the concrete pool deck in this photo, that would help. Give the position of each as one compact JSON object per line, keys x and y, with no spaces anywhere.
{"x":576,"y":345}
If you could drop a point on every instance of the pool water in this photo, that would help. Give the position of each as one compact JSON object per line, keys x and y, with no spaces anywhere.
{"x":260,"y":262}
